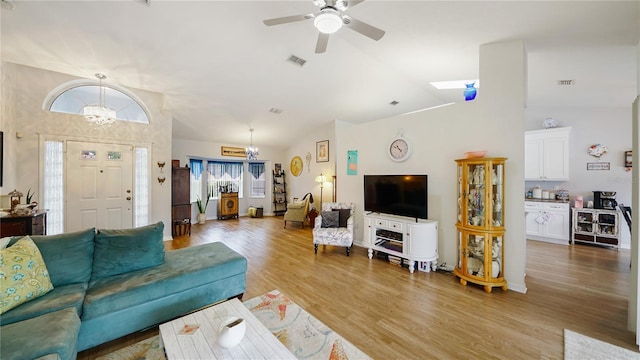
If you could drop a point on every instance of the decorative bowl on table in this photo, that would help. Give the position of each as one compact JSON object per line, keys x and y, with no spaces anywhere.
{"x":475,"y":154}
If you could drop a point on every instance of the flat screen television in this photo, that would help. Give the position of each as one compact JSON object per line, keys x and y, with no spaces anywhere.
{"x":402,"y":195}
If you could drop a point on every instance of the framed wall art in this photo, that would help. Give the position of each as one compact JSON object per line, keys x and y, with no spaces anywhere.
{"x":352,"y":162}
{"x":322,"y":151}
{"x":232,"y":151}
{"x":628,"y":159}
{"x":599,"y":166}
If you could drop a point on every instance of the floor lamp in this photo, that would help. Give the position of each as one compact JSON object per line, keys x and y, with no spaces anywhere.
{"x":321,"y":179}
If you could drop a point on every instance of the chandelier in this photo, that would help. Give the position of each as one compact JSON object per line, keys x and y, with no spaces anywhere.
{"x":251,"y":151}
{"x":99,"y":114}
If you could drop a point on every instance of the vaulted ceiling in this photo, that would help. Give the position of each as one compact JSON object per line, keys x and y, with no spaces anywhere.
{"x":221,"y":69}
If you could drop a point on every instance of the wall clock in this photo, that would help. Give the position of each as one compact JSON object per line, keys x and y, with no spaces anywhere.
{"x":399,"y":149}
{"x":296,"y":165}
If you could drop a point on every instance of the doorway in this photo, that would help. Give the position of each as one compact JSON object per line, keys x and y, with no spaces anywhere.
{"x":99,"y":185}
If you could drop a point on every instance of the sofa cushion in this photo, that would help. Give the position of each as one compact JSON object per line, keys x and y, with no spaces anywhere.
{"x":183,"y":269}
{"x":343,"y":217}
{"x":61,"y":297}
{"x":53,"y":333}
{"x":23,"y":273}
{"x":124,"y":250}
{"x":69,"y":257}
{"x":330,"y":219}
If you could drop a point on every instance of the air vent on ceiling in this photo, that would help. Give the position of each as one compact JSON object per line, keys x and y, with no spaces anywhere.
{"x":394,"y":102}
{"x":566,"y":82}
{"x":296,"y":60}
{"x":275,"y":110}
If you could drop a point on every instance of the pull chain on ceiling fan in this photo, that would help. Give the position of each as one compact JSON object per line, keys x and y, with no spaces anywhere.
{"x":330,"y":19}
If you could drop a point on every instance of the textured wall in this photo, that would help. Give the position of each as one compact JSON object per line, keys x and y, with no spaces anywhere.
{"x":24,"y":92}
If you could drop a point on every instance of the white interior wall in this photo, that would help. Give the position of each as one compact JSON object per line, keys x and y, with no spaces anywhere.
{"x":305,"y":183}
{"x":607,"y":126}
{"x":494,"y":121}
{"x":633,"y":322}
{"x":7,"y":109}
{"x":28,"y":87}
{"x":183,"y":150}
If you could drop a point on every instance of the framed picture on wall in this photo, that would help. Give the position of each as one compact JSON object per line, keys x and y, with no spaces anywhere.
{"x":322,"y":151}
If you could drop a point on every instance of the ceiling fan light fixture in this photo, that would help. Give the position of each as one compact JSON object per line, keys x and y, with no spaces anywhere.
{"x":328,"y":22}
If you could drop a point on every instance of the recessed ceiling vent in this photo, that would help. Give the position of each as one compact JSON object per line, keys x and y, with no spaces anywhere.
{"x":394,"y":102}
{"x":296,"y":60}
{"x":566,"y":82}
{"x":275,"y":111}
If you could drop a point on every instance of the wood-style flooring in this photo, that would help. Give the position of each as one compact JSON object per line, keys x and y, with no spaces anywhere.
{"x":391,"y":314}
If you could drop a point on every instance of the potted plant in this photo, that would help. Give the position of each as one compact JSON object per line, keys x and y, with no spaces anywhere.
{"x":202,"y":208}
{"x":31,"y":204}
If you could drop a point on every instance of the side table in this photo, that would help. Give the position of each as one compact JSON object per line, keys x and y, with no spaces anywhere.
{"x":313,"y":214}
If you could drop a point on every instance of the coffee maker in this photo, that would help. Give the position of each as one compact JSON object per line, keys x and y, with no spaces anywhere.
{"x":604,"y":200}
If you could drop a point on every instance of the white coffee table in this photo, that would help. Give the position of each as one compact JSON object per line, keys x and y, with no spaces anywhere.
{"x":258,"y":342}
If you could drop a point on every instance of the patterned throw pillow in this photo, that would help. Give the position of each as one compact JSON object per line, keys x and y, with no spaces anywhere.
{"x":23,"y":274}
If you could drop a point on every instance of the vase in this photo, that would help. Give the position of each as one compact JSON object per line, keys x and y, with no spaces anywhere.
{"x":202,"y":218}
{"x":470,"y":92}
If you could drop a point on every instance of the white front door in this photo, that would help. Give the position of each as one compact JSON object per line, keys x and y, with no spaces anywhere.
{"x":99,"y":186}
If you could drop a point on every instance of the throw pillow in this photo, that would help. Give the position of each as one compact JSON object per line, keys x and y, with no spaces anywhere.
{"x":329,"y":219}
{"x":5,"y":241}
{"x":23,"y":274}
{"x":344,"y":216}
{"x":124,"y":250}
{"x":69,"y":256}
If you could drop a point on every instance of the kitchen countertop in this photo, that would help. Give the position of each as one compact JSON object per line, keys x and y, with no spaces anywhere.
{"x":548,"y":200}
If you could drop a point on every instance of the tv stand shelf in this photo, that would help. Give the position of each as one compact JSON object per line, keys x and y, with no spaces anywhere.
{"x":402,"y":237}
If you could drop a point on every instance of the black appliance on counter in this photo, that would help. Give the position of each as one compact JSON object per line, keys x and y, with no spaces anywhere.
{"x":605,"y":200}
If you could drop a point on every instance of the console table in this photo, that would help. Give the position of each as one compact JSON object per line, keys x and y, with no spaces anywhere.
{"x":405,"y":238}
{"x":19,"y":225}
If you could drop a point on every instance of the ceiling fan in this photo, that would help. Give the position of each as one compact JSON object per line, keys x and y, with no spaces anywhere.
{"x":330,"y":19}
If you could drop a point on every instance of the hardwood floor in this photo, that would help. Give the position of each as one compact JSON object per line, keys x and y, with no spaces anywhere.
{"x":392,"y":314}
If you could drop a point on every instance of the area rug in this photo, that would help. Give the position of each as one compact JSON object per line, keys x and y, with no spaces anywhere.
{"x":580,"y":347}
{"x":304,"y":335}
{"x":148,"y":349}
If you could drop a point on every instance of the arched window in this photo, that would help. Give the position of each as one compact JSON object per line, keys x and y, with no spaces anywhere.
{"x":72,"y":96}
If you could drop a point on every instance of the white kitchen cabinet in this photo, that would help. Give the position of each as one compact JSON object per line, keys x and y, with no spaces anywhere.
{"x":548,"y":221}
{"x":546,"y":154}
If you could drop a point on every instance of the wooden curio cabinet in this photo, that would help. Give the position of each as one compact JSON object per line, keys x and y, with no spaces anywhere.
{"x":480,"y":222}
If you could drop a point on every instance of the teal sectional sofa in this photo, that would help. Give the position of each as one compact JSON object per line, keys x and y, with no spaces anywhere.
{"x":110,"y":283}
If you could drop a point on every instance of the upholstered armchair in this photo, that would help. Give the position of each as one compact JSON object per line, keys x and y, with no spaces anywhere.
{"x":297,"y":210}
{"x":334,"y":226}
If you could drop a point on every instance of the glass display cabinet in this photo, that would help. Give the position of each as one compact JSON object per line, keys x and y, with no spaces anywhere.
{"x":480,"y":223}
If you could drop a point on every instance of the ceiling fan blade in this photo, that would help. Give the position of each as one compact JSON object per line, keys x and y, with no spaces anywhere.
{"x":321,"y":45}
{"x":288,"y":19}
{"x":363,"y":28}
{"x":352,"y":3}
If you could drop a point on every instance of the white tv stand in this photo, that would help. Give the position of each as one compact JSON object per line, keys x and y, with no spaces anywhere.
{"x":402,"y":237}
